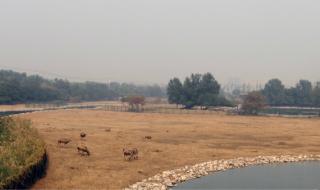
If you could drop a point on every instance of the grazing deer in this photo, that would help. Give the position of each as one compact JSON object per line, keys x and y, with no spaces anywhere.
{"x":130,"y":154}
{"x":83,"y":135}
{"x":148,"y":137}
{"x":83,"y":150}
{"x":64,"y":141}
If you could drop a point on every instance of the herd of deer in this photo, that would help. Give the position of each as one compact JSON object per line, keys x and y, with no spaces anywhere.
{"x":82,"y":149}
{"x":128,"y":154}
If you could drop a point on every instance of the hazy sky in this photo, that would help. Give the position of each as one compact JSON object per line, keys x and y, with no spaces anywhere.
{"x":150,"y":41}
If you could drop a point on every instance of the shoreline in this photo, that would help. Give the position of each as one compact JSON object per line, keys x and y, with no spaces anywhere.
{"x":167,"y":179}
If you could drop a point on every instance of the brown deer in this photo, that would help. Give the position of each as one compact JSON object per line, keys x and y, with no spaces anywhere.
{"x":130,"y":154}
{"x":64,"y":141}
{"x":148,"y":137}
{"x":83,"y":150}
{"x":82,"y":135}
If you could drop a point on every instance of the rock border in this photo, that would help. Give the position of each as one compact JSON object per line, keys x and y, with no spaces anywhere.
{"x":168,"y":179}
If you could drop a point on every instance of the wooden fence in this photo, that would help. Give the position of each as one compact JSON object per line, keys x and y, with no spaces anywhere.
{"x":159,"y":109}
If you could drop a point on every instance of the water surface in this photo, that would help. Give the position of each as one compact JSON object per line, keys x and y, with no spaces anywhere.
{"x":303,"y":175}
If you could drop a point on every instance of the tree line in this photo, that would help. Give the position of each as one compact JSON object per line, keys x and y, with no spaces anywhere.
{"x":197,"y":90}
{"x":303,"y":94}
{"x":20,"y":88}
{"x":204,"y":90}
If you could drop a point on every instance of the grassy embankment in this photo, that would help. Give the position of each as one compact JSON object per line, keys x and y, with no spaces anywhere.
{"x":22,"y":153}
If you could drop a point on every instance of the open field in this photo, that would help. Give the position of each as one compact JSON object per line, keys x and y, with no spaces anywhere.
{"x":13,"y":107}
{"x":177,"y":140}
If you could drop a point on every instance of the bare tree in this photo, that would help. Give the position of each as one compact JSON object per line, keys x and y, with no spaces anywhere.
{"x":253,"y":102}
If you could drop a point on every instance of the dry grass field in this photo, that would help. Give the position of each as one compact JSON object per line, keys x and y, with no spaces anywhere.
{"x":15,"y":107}
{"x":177,"y":140}
{"x":12,"y":107}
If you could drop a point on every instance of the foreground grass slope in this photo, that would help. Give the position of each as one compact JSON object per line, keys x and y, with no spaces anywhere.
{"x":22,"y":153}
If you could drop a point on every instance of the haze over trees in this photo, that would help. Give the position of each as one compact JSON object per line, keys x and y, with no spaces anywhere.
{"x":316,"y":94}
{"x":303,"y":94}
{"x":20,"y":88}
{"x":196,"y":90}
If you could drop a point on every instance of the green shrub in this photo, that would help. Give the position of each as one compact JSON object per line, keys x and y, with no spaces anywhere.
{"x":20,"y":150}
{"x":4,"y":129}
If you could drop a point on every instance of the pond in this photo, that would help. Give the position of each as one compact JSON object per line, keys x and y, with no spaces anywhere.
{"x":300,"y":175}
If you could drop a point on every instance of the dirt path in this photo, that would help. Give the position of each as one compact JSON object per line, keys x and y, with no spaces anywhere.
{"x":177,"y":140}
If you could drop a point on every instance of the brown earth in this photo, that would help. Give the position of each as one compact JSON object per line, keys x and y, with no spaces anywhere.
{"x":177,"y":140}
{"x":12,"y":107}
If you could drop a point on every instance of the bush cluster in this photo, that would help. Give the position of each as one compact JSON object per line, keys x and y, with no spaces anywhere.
{"x":21,"y":150}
